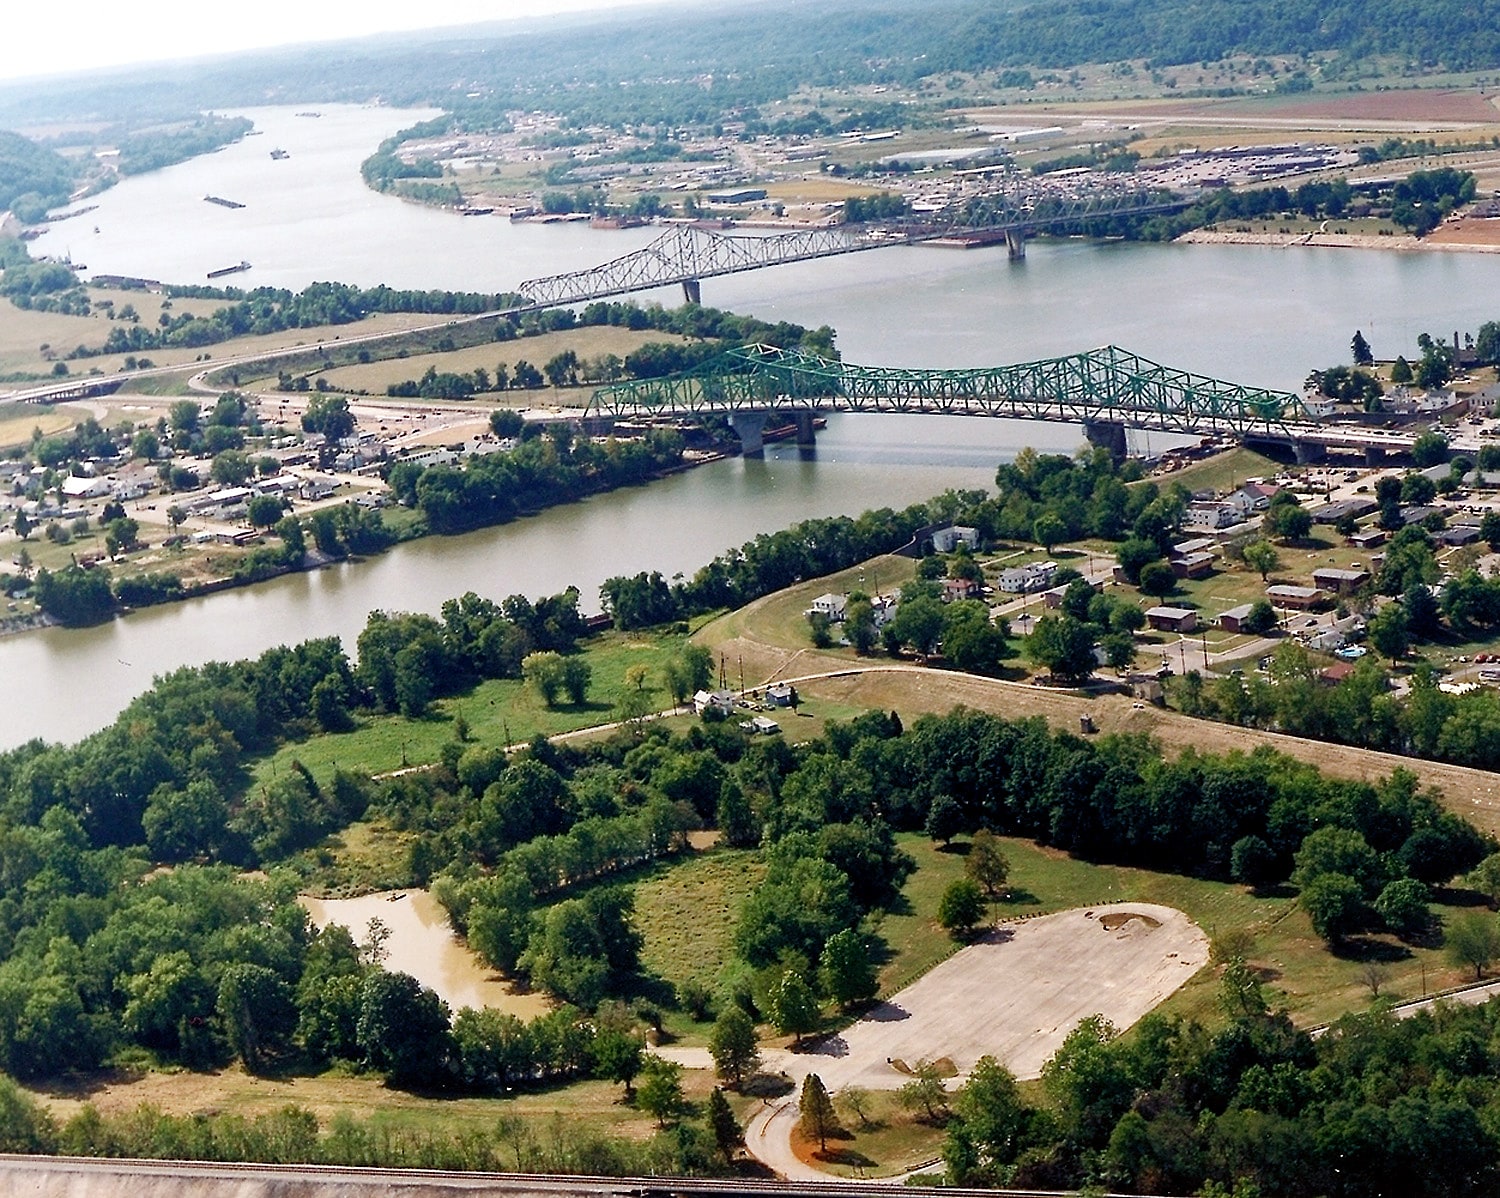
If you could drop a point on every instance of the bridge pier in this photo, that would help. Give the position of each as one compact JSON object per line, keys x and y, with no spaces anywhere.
{"x":1309,"y":453}
{"x":1107,"y":434}
{"x":692,"y":291}
{"x":748,"y":427}
{"x":807,"y":434}
{"x":1374,"y":455}
{"x":1015,"y":244}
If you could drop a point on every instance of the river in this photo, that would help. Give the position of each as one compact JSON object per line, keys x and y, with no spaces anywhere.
{"x":1257,"y":315}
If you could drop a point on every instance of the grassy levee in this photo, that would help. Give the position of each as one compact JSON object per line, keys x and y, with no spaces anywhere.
{"x":1222,"y":472}
{"x":770,"y":637}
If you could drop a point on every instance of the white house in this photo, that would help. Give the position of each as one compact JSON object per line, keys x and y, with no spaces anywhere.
{"x":722,"y":700}
{"x":1034,"y":576}
{"x":1211,"y":515}
{"x":1251,"y":498}
{"x":946,"y":540}
{"x":830,"y":605}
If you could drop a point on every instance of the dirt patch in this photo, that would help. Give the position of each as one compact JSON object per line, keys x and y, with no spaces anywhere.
{"x":1470,"y":231}
{"x":944,"y":1066}
{"x":1113,"y":920}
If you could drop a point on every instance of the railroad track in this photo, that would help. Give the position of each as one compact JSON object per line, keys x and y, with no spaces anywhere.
{"x":395,"y":1181}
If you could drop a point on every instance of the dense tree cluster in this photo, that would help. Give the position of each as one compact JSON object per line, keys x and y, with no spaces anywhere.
{"x":768,"y":563}
{"x":1086,"y":495}
{"x":1377,"y":1106}
{"x":142,"y":150}
{"x":537,"y":473}
{"x":1423,"y":198}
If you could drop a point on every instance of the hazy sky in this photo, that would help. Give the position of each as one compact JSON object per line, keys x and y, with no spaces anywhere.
{"x":54,"y":38}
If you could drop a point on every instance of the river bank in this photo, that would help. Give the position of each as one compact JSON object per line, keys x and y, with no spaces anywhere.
{"x":263,"y":569}
{"x":1449,"y":239}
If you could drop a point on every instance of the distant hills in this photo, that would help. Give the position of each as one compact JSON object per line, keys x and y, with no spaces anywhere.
{"x":32,"y":178}
{"x":682,"y":62}
{"x":1461,"y":35}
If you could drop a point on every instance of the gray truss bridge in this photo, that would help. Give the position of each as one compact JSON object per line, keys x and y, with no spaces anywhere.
{"x":1106,"y":390}
{"x":686,"y":254}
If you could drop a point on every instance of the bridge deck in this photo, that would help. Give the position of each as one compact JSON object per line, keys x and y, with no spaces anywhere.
{"x":1103,"y":386}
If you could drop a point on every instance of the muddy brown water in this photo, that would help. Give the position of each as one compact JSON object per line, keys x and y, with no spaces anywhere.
{"x":422,"y":944}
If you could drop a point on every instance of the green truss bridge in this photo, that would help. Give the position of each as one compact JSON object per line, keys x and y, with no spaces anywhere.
{"x":1106,"y":390}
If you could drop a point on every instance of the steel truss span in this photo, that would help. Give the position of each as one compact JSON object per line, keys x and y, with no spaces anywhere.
{"x":1104,"y":386}
{"x":687,"y":252}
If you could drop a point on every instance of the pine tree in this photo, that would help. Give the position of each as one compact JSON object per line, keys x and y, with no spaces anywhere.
{"x":1361,"y":349}
{"x":818,"y":1118}
{"x":721,"y":1121}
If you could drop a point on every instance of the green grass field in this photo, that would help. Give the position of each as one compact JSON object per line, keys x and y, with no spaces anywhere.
{"x":589,"y":342}
{"x":687,"y":911}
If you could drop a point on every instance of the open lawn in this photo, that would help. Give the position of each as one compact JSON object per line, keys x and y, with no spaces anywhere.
{"x":590,"y":342}
{"x":19,"y":421}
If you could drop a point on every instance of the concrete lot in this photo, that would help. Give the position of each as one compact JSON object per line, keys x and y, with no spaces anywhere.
{"x":1015,"y":995}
